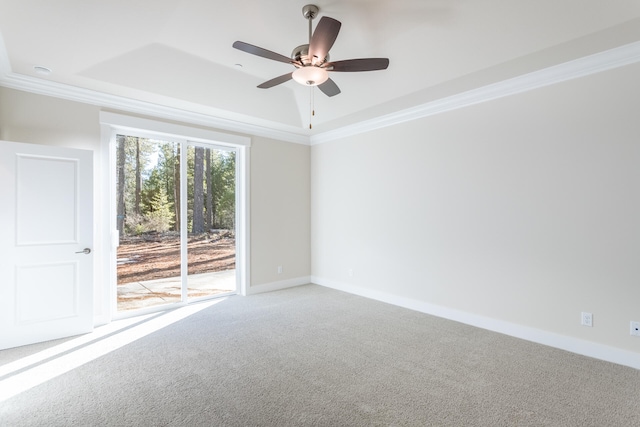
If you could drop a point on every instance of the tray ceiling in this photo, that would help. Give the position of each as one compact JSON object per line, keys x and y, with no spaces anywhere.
{"x":178,"y":54}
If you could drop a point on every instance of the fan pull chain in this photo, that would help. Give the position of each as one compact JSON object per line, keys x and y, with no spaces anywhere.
{"x":312,"y":111}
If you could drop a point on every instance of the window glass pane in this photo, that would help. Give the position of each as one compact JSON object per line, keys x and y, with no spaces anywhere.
{"x":148,"y":221}
{"x":211,"y":207}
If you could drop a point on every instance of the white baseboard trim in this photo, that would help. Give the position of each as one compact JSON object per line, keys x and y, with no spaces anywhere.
{"x":101,"y":320}
{"x":276,"y":286}
{"x":563,"y":342}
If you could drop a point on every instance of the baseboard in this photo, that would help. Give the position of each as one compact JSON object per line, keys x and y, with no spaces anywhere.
{"x":275,"y":286}
{"x":100,"y":320}
{"x":563,"y":342}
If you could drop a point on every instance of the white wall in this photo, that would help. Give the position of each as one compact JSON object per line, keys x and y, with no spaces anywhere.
{"x":26,"y":117}
{"x":280,"y":214}
{"x":523,"y":210}
{"x":45,"y":120}
{"x":279,"y":188}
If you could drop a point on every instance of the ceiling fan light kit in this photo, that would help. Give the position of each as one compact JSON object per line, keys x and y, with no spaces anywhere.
{"x":312,"y":60}
{"x":310,"y":75}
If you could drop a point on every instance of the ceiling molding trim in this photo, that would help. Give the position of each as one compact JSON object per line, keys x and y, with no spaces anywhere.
{"x":592,"y":64}
{"x":45,"y":87}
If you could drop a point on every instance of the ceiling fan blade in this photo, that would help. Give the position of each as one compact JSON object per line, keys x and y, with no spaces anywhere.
{"x":323,"y":38}
{"x":274,"y":82}
{"x":255,"y":50}
{"x":329,"y":88}
{"x":364,"y":64}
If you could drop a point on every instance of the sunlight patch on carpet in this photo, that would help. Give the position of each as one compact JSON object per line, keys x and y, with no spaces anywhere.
{"x":31,"y":371}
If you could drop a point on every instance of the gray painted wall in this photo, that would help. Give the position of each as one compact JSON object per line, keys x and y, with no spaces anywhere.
{"x":523,"y":210}
{"x":279,"y":188}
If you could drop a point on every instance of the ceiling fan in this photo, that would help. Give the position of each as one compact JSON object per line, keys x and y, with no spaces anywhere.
{"x":312,"y":60}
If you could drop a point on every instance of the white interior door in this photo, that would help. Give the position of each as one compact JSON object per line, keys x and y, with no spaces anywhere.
{"x":46,"y":235}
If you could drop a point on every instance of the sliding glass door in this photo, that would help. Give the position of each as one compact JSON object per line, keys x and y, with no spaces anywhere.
{"x":176,"y":221}
{"x":210,"y":228}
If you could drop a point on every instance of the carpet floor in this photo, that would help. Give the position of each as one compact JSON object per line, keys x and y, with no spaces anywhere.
{"x":311,"y":356}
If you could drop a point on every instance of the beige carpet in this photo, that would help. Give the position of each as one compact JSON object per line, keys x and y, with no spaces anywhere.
{"x":311,"y":356}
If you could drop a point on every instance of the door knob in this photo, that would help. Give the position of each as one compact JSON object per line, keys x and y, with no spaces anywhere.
{"x":86,"y":251}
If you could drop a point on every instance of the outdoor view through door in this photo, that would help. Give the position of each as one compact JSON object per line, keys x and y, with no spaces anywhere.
{"x":176,"y":221}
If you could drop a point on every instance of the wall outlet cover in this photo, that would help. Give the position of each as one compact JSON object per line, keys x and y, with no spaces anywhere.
{"x":586,"y":319}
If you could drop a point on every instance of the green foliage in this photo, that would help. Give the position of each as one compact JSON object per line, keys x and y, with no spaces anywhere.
{"x":150,"y":190}
{"x":159,"y":163}
{"x":147,"y":149}
{"x":160,"y":216}
{"x":222,"y":173}
{"x":225,"y":189}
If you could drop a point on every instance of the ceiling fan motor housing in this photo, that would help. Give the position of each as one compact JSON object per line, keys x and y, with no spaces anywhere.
{"x":301,"y":54}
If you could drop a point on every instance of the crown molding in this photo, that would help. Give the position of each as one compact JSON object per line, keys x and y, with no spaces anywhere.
{"x":241,"y":125}
{"x":592,"y":64}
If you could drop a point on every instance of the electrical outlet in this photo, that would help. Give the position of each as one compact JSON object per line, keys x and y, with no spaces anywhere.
{"x":586,"y":319}
{"x":279,"y":269}
{"x":350,"y":272}
{"x":635,"y":329}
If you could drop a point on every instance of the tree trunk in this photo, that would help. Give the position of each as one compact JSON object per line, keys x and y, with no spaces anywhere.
{"x":198,"y":191}
{"x":136,"y":207}
{"x":209,"y":180}
{"x":176,"y":188}
{"x":120,"y":161}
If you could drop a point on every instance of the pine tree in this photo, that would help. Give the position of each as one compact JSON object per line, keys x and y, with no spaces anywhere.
{"x":121,"y":159}
{"x":160,"y":217}
{"x":198,"y":191}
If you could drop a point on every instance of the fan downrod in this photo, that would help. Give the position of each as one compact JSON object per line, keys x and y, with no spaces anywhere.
{"x":300,"y":53}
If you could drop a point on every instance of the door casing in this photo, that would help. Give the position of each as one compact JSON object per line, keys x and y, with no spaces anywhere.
{"x":113,"y":124}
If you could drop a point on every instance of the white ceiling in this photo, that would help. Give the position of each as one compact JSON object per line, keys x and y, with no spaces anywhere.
{"x":177,"y":53}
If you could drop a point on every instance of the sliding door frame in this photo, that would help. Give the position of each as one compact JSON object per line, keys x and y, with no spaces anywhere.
{"x":113,"y":124}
